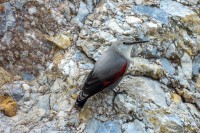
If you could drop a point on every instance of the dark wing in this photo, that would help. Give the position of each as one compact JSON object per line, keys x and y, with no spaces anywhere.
{"x":106,"y":72}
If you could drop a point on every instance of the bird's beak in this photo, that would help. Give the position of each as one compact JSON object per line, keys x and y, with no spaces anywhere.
{"x":130,"y":43}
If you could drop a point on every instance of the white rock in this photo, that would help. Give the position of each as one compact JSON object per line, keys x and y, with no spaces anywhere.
{"x":32,"y":10}
{"x":43,"y":102}
{"x":146,"y":89}
{"x":111,"y":6}
{"x":90,"y":5}
{"x":181,"y":78}
{"x":134,"y":127}
{"x":96,"y":23}
{"x":152,"y":25}
{"x":76,"y":20}
{"x":126,"y":26}
{"x":43,"y":89}
{"x":193,"y":1}
{"x":175,"y":8}
{"x":107,"y":36}
{"x":83,"y":11}
{"x":138,"y":2}
{"x":65,"y":105}
{"x":186,"y":64}
{"x":125,"y":103}
{"x":53,"y":100}
{"x":69,"y":68}
{"x":50,"y":66}
{"x":113,"y":25}
{"x":57,"y":86}
{"x":26,"y":87}
{"x":133,"y":20}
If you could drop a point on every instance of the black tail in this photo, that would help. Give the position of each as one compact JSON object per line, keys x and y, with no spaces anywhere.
{"x":81,"y":99}
{"x":80,"y":103}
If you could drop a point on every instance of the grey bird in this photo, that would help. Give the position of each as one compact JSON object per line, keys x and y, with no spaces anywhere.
{"x":107,"y":71}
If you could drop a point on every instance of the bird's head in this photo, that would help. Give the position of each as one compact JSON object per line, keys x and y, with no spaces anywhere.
{"x":125,"y":47}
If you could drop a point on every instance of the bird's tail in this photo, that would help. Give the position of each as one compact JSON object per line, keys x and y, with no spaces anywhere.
{"x":80,"y":104}
{"x":81,"y":100}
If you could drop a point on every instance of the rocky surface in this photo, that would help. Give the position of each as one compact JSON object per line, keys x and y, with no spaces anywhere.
{"x":48,"y":47}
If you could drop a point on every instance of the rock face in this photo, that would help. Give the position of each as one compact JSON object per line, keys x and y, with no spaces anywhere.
{"x":47,"y":48}
{"x":172,"y":8}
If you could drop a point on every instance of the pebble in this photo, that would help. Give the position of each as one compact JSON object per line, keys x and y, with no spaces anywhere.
{"x":32,"y":10}
{"x":43,"y":102}
{"x":26,"y":87}
{"x":27,"y":76}
{"x":133,"y":20}
{"x":7,"y":38}
{"x":60,"y":40}
{"x":134,"y":127}
{"x":167,"y":66}
{"x":186,"y":64}
{"x":83,"y":11}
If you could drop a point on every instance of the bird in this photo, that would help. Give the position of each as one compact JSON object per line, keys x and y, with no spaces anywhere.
{"x":108,"y":70}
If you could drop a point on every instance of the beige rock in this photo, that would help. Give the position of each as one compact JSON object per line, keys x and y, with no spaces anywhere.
{"x":8,"y":105}
{"x":57,"y":58}
{"x":192,"y":22}
{"x":188,"y":96}
{"x":198,"y":83}
{"x":74,"y":96}
{"x":2,"y":1}
{"x":60,"y":40}
{"x":176,"y":98}
{"x":4,"y":76}
{"x":133,"y":20}
{"x":151,"y":2}
{"x":142,"y":67}
{"x":85,"y":114}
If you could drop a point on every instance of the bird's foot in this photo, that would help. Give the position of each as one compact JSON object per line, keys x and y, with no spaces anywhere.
{"x":78,"y":108}
{"x":115,"y":94}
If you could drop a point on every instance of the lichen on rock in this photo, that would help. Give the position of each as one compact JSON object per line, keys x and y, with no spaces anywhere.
{"x":8,"y":105}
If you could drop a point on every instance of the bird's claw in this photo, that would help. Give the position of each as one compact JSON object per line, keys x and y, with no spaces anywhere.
{"x":115,"y":94}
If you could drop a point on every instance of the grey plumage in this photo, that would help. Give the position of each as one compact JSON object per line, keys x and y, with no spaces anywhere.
{"x":107,"y":71}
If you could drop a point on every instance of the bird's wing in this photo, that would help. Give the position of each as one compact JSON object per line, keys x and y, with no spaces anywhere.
{"x":105,"y":73}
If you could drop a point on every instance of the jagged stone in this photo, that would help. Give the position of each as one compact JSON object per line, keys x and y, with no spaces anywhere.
{"x":62,"y":41}
{"x":4,"y":76}
{"x":198,"y":83}
{"x":142,"y":67}
{"x":174,"y":8}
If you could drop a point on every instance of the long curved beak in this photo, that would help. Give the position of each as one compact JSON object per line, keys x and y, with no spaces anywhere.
{"x":130,"y":43}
